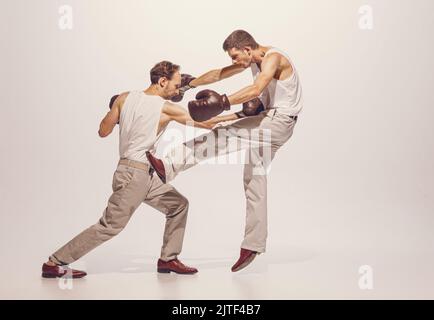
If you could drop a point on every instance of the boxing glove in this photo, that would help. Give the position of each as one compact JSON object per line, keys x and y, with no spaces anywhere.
{"x":185,"y":85}
{"x":251,"y":108}
{"x":208,"y":104}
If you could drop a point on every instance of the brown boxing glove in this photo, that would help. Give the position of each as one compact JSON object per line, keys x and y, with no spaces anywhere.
{"x":185,"y":85}
{"x":208,"y":104}
{"x":251,"y":108}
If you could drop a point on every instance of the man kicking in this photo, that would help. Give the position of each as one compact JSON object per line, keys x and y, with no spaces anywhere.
{"x":142,"y":117}
{"x":270,"y":105}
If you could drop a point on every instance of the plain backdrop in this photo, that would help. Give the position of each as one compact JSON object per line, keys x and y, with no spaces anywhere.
{"x":357,"y":175}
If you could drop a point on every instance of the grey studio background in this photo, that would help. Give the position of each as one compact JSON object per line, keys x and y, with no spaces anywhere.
{"x":351,"y":191}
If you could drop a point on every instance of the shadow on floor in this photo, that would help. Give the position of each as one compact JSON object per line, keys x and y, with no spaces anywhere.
{"x":145,"y":263}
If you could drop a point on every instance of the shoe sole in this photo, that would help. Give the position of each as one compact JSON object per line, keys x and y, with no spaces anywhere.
{"x":245,"y":263}
{"x":52,"y":276}
{"x":169,"y":271}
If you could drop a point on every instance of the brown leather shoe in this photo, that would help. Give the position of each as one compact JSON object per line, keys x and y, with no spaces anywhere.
{"x":60,"y":271}
{"x":174,"y":266}
{"x":157,"y":165}
{"x":246,"y":257}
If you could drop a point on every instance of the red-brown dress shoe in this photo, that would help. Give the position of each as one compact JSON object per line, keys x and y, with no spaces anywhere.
{"x":246,"y":257}
{"x":174,"y":266}
{"x":60,"y":271}
{"x":157,"y":165}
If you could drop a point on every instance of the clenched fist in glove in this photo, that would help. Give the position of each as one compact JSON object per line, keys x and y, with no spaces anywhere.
{"x":185,"y":85}
{"x":251,"y":108}
{"x":208,"y":104}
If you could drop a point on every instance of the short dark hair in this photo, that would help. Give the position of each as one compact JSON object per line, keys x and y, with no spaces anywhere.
{"x":239,"y":39}
{"x":163,"y":69}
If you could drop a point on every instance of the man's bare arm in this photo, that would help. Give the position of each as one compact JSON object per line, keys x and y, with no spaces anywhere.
{"x":217,"y":75}
{"x":232,"y":116}
{"x":179,"y":114}
{"x":112,"y":117}
{"x":216,"y":120}
{"x":269,"y":67}
{"x":109,"y":122}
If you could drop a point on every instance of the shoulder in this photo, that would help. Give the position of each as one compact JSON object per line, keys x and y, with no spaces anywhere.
{"x":120,"y":100}
{"x":122,"y":97}
{"x":273,"y":57}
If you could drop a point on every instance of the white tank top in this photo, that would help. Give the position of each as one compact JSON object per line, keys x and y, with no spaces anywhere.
{"x":138,"y":125}
{"x":283,"y":95}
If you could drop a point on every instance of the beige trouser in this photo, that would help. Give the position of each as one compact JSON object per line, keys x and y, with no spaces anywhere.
{"x":132,"y":185}
{"x":261,"y":136}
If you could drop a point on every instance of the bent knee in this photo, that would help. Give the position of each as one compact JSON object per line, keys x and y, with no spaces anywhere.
{"x":181,"y":208}
{"x":183,"y":204}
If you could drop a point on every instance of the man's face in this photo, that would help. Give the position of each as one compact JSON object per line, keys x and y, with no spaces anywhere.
{"x":171,"y":87}
{"x":242,"y":57}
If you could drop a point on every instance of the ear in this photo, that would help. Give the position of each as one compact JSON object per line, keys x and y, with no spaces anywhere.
{"x":162,"y":82}
{"x":248,"y":50}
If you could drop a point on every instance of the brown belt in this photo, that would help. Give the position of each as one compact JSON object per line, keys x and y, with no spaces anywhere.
{"x":136,"y":164}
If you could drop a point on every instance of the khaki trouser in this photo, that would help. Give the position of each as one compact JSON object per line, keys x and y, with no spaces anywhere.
{"x":132,"y":185}
{"x":262,"y":136}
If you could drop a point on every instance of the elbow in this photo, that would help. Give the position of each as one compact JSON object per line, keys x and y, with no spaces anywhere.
{"x":255,"y":92}
{"x":104,"y":130}
{"x":103,"y":133}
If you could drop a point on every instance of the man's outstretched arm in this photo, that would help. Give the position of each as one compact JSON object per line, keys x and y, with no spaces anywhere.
{"x":250,"y":108}
{"x":209,"y":103}
{"x":175,"y":112}
{"x":217,"y":75}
